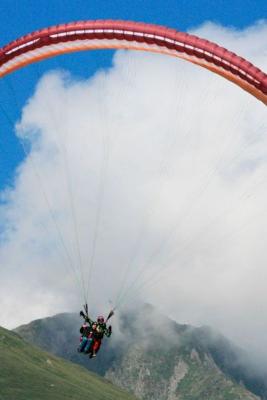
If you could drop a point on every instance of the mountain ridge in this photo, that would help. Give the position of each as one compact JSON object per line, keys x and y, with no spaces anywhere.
{"x":206,"y":356}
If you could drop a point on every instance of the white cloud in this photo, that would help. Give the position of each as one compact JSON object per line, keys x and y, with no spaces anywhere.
{"x":171,"y":161}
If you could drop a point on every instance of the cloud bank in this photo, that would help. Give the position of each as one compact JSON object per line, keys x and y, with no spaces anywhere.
{"x":149,"y":177}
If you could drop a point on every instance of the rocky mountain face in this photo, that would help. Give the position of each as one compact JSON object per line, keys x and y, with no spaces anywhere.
{"x":156,"y":358}
{"x":188,"y":376}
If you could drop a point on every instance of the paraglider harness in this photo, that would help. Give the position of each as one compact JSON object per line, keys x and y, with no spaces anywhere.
{"x":94,"y":331}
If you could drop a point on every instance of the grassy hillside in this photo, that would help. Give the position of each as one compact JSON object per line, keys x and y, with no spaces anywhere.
{"x":27,"y":372}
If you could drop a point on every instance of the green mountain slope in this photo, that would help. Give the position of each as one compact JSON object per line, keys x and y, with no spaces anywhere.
{"x":27,"y":372}
{"x":156,"y":358}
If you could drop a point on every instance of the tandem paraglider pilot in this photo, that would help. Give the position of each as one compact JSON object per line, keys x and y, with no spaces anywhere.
{"x":92,"y":333}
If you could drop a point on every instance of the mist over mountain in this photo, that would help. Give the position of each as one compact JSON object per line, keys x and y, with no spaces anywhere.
{"x":157,"y":358}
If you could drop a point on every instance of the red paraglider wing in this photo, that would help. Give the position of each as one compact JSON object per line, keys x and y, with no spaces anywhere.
{"x":85,"y":35}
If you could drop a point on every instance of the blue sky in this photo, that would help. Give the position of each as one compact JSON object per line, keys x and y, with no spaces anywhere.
{"x":23,"y":16}
{"x":26,"y":15}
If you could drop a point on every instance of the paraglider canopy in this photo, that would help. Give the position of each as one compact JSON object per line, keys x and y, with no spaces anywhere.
{"x":85,"y":35}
